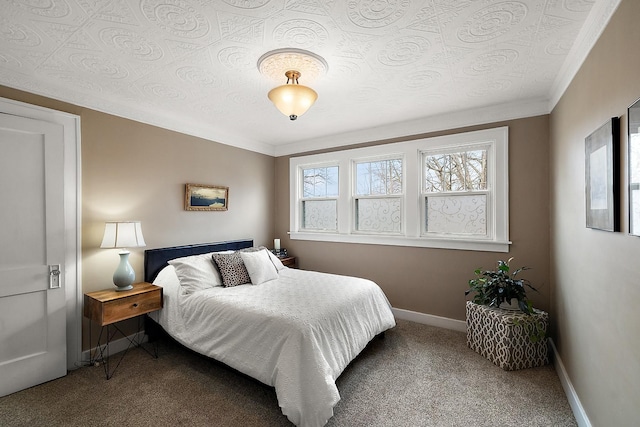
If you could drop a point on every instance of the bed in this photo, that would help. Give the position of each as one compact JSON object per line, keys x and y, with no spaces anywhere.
{"x":296,"y":331}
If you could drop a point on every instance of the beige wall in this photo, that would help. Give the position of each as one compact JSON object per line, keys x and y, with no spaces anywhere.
{"x":136,"y":171}
{"x":433,"y":281}
{"x":595,"y":273}
{"x":588,"y":282}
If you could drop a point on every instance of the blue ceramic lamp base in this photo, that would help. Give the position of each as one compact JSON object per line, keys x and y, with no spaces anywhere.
{"x":124,"y":275}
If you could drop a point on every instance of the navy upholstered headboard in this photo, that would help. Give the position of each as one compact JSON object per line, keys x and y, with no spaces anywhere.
{"x":156,"y":259}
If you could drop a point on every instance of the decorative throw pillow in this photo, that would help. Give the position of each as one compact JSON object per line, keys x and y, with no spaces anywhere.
{"x":231,"y":269}
{"x":197,"y":272}
{"x":276,"y":261}
{"x":259,"y":266}
{"x":253,"y":249}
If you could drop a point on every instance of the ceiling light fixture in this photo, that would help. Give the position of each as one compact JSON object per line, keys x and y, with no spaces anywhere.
{"x":292,"y":98}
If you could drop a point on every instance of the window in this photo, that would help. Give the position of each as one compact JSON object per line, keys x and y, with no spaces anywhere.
{"x":444,"y":192}
{"x":319,"y":199}
{"x":455,"y":194}
{"x":378,"y":196}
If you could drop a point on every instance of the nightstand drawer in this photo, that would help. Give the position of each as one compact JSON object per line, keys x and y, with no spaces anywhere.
{"x":289,"y":261}
{"x":107,"y":307}
{"x":135,"y":305}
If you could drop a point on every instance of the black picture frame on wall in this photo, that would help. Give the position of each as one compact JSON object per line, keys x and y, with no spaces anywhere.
{"x":602,"y":177}
{"x":633,"y":165}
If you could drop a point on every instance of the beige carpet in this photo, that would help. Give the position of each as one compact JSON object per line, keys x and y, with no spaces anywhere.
{"x":417,"y":376}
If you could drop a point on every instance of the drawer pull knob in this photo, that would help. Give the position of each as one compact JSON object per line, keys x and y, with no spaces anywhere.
{"x":135,"y":305}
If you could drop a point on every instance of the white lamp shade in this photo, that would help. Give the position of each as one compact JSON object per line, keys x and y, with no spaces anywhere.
{"x":127,"y":234}
{"x":293,"y":99}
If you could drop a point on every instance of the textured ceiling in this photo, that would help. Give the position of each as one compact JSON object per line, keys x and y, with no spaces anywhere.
{"x":190,"y":65}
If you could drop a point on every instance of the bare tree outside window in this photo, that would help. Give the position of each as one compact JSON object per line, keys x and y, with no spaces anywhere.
{"x":461,"y":171}
{"x":320,"y":182}
{"x":379,"y":177}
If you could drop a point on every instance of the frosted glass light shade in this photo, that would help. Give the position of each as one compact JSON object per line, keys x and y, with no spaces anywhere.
{"x":123,"y":235}
{"x":293,"y":100}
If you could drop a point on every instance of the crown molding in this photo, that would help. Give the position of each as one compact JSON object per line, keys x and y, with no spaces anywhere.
{"x":452,"y":120}
{"x":596,"y":22}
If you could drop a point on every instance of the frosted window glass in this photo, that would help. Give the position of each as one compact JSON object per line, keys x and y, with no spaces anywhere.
{"x":319,"y":215}
{"x":457,"y":214}
{"x":381,"y":215}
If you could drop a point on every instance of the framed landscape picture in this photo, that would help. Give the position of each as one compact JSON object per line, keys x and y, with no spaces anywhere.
{"x":602,"y":178}
{"x":200,"y":197}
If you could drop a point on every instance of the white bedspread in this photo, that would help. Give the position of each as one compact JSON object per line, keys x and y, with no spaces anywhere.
{"x":296,"y":333}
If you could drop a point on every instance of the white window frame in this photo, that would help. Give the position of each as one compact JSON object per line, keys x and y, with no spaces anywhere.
{"x":412,"y":235}
{"x":355,"y":196}
{"x":301,"y":199}
{"x":490,"y":184}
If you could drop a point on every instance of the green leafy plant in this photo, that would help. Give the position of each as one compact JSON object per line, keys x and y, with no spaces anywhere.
{"x":493,"y":287}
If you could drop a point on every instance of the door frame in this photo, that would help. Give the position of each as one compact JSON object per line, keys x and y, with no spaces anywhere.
{"x":72,"y":216}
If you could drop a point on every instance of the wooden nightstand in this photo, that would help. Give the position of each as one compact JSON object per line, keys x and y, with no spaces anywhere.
{"x":108,"y":307}
{"x":289,"y":261}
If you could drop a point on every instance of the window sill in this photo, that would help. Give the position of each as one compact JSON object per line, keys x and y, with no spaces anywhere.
{"x":459,"y":244}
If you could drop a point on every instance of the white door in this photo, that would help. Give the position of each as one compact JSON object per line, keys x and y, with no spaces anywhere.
{"x":32,"y":242}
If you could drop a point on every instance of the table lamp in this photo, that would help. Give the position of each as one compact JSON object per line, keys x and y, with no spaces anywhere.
{"x":123,"y":234}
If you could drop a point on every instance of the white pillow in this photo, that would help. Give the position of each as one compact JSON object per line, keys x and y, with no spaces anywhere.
{"x":259,"y":266}
{"x":197,"y":272}
{"x":276,"y":261}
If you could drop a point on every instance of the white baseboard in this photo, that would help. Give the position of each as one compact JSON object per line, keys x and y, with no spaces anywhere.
{"x":572,"y":397}
{"x":431,"y":320}
{"x":116,"y":346}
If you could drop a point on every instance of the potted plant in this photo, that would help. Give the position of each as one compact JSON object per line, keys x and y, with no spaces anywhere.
{"x":498,"y":287}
